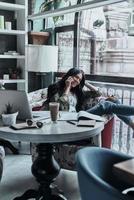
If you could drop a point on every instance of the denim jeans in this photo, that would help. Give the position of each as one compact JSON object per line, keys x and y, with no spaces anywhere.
{"x":107,"y":107}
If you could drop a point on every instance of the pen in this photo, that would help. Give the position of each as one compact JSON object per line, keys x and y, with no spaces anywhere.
{"x":70,"y":122}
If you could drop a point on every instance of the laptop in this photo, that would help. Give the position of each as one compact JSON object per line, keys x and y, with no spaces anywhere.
{"x":19,"y":101}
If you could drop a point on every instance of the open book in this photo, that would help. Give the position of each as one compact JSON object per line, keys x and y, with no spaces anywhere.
{"x":83,"y":115}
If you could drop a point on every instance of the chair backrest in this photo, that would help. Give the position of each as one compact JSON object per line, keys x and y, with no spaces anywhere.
{"x":2,"y":156}
{"x":18,"y":100}
{"x":96,"y":180}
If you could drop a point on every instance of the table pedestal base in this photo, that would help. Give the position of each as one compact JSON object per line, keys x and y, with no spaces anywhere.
{"x":45,"y":168}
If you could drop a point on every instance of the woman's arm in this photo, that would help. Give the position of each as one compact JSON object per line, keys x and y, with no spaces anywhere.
{"x":62,"y":100}
{"x":56,"y":95}
{"x":68,"y":85}
{"x":93,"y":91}
{"x":90,"y":86}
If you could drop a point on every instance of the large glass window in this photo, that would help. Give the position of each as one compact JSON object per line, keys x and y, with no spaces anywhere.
{"x":37,"y":24}
{"x":100,"y":38}
{"x":92,"y":36}
{"x":62,"y":20}
{"x":65,"y":43}
{"x":65,"y":36}
{"x":105,"y":40}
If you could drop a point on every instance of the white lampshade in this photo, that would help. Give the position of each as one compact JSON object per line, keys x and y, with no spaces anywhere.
{"x":42,"y":58}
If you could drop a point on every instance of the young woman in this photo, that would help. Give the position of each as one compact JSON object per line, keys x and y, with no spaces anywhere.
{"x":71,"y":96}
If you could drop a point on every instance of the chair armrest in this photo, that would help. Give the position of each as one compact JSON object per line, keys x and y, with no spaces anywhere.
{"x":2,"y":156}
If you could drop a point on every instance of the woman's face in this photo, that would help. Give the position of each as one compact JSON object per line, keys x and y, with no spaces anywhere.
{"x":76,"y":80}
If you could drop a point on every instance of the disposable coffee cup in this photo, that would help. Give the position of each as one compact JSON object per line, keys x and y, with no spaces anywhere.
{"x":6,"y":76}
{"x":54,"y":111}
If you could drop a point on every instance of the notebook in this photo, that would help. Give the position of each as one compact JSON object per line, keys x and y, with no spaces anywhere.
{"x":86,"y":123}
{"x":19,"y":101}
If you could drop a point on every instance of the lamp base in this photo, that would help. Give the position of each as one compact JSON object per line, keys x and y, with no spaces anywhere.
{"x":46,"y":78}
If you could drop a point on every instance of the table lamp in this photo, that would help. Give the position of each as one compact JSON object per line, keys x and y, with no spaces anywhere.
{"x":42,"y":58}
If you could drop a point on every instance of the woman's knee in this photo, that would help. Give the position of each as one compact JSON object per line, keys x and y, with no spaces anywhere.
{"x":113,"y":99}
{"x":108,"y":107}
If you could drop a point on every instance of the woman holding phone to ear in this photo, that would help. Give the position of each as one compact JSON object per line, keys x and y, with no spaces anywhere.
{"x":69,"y":91}
{"x":70,"y":94}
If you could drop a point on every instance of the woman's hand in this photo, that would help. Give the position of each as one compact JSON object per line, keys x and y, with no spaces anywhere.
{"x":112,"y":98}
{"x":90,"y":86}
{"x":68,"y":82}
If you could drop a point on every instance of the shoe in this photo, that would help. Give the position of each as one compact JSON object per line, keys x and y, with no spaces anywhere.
{"x":131,"y":125}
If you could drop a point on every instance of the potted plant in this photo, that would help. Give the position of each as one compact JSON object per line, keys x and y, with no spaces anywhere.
{"x":15,"y":73}
{"x":38,"y":38}
{"x":9,"y":116}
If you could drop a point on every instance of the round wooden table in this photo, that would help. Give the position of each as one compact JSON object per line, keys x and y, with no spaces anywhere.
{"x":45,"y":168}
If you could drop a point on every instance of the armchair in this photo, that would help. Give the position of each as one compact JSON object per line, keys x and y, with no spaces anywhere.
{"x":2,"y":155}
{"x":95,"y":174}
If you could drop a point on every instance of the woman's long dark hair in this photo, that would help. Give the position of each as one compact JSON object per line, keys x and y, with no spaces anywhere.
{"x":60,"y":86}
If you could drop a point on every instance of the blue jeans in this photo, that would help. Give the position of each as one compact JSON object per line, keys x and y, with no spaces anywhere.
{"x":107,"y":107}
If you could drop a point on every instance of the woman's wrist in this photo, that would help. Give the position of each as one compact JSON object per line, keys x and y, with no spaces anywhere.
{"x":67,"y":90}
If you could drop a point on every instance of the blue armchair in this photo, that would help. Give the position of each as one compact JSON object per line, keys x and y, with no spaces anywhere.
{"x":2,"y":155}
{"x":96,"y":177}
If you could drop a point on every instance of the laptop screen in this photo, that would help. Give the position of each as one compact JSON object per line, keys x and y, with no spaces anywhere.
{"x":19,"y":102}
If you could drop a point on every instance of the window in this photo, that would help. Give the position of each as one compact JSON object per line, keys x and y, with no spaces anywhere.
{"x":111,"y":52}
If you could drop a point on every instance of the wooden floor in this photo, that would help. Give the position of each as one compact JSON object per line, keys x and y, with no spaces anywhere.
{"x":17,"y":178}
